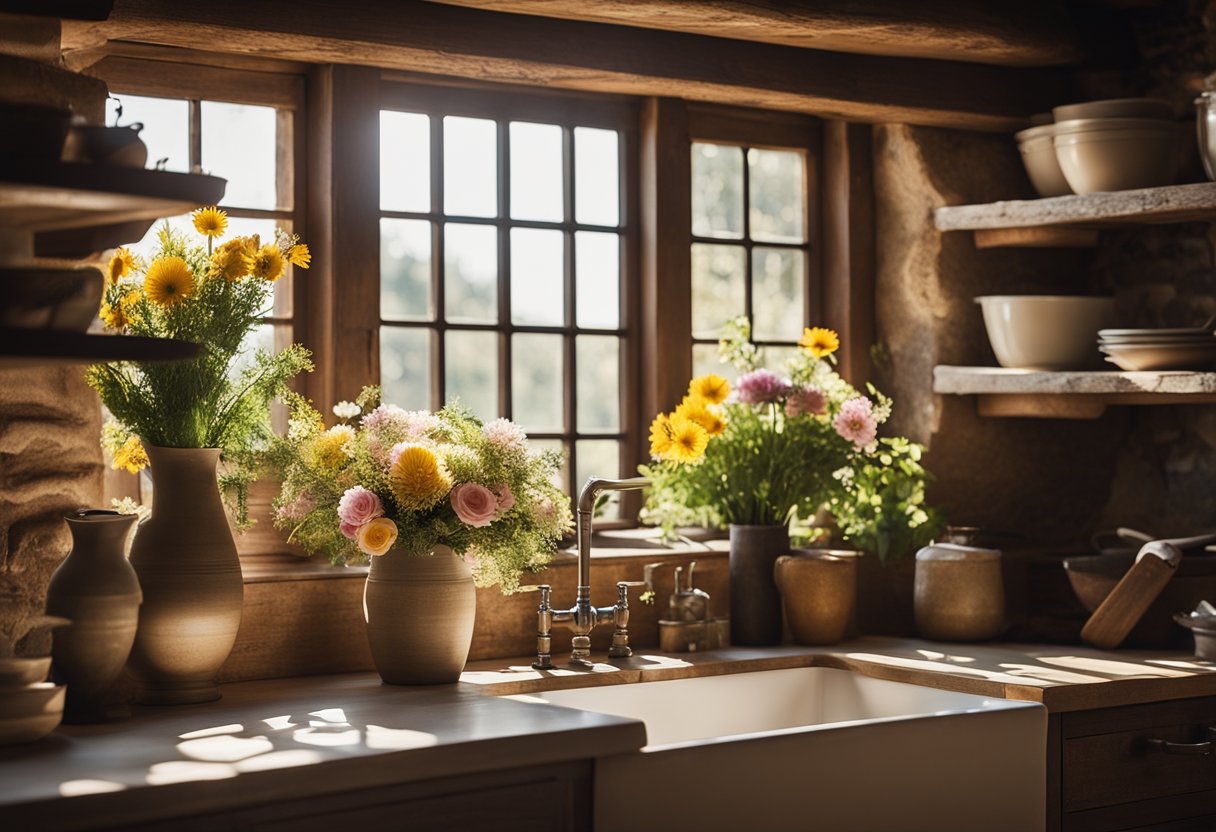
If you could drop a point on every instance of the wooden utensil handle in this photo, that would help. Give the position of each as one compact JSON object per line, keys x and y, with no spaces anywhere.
{"x":1127,"y":602}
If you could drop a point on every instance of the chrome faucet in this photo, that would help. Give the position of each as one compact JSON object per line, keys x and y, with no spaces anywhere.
{"x":582,"y":617}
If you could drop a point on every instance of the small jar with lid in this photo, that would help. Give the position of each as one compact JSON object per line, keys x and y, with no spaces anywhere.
{"x":959,"y":593}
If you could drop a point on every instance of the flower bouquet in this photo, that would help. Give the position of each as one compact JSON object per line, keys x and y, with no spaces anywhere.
{"x":388,"y":479}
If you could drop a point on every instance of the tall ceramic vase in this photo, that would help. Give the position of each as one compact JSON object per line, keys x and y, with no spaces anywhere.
{"x":187,"y":564}
{"x":419,"y":613}
{"x":96,"y":588}
{"x":755,"y":602}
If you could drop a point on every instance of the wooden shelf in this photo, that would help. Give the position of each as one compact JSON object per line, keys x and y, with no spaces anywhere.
{"x":1061,"y":220}
{"x":43,"y":347}
{"x":57,"y":195}
{"x":1071,"y":394}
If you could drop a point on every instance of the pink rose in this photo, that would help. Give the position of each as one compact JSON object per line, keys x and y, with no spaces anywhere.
{"x":358,"y":506}
{"x":475,"y":504}
{"x":349,"y":530}
{"x":506,"y":500}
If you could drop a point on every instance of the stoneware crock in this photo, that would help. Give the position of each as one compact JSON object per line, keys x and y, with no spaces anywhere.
{"x":818,"y":592}
{"x":755,"y":603}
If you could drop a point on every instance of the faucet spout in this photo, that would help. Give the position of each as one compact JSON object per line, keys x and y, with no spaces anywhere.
{"x":592,"y":489}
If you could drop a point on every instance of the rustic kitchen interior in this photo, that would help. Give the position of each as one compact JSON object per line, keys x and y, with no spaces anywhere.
{"x":553,"y":212}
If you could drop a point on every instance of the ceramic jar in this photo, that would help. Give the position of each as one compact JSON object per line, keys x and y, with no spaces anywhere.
{"x":959,"y":593}
{"x":755,"y":603}
{"x":420,"y":613}
{"x":96,"y":588}
{"x":818,"y":592}
{"x":187,"y":565}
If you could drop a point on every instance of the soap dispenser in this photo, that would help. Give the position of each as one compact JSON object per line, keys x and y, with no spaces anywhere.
{"x":687,"y":625}
{"x":690,"y":604}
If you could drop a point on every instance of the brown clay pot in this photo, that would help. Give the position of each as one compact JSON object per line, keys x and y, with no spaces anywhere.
{"x":97,"y":589}
{"x":755,"y":603}
{"x":818,"y":592}
{"x":419,"y":613}
{"x":187,"y":565}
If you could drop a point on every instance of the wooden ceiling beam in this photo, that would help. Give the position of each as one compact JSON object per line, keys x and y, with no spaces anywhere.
{"x":1031,"y":33}
{"x":491,"y":46}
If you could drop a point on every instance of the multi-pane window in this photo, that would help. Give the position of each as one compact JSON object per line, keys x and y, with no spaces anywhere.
{"x":251,"y":147}
{"x":750,"y":250}
{"x":502,"y":263}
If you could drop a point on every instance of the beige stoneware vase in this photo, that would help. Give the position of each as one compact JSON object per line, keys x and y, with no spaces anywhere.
{"x":419,"y":613}
{"x":187,"y":565}
{"x":818,"y":592}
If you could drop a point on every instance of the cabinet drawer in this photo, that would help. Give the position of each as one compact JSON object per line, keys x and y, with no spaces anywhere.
{"x":1109,"y":756}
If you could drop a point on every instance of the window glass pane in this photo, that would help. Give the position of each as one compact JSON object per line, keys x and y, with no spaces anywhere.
{"x":776,"y":294}
{"x":471,"y":374}
{"x":717,"y":191}
{"x":561,"y":478}
{"x":166,"y":124}
{"x":777,"y":195}
{"x":597,"y":269}
{"x":405,"y":161}
{"x":536,"y":171}
{"x":706,"y":359}
{"x":597,"y":176}
{"x":405,"y":269}
{"x":470,"y":167}
{"x":598,"y":359}
{"x":405,"y":367}
{"x":536,"y":382}
{"x":537,"y":288}
{"x":774,"y":358}
{"x":470,"y":271}
{"x":718,"y":293}
{"x":600,"y":458}
{"x":239,"y":145}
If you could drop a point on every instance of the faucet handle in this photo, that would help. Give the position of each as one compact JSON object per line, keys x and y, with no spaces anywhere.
{"x":544,"y":627}
{"x":620,"y":621}
{"x":622,"y":591}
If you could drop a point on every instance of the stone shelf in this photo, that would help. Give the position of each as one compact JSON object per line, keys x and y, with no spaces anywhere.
{"x":1070,"y":394}
{"x":1074,"y":220}
{"x":43,"y":347}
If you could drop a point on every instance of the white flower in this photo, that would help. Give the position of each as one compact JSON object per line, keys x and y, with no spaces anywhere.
{"x":347,"y":410}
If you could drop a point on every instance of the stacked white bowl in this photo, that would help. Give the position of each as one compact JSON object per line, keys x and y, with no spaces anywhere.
{"x":1112,"y":145}
{"x":1184,"y":348}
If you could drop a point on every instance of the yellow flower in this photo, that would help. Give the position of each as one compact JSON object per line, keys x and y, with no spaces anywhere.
{"x":299,"y":255}
{"x":710,"y":387}
{"x":268,"y":263}
{"x":123,"y":314}
{"x":819,"y":341}
{"x":376,"y":537}
{"x":210,"y":221}
{"x":168,"y":281}
{"x":120,"y":265}
{"x":704,"y":414}
{"x":131,"y":456}
{"x":419,"y":479}
{"x":688,"y":440}
{"x":660,"y":436}
{"x":329,"y":450}
{"x":231,"y":260}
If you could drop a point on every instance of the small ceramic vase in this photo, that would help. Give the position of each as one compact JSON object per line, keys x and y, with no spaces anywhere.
{"x":420,"y":613}
{"x":818,"y":591}
{"x":188,"y":569}
{"x":96,"y":588}
{"x":755,"y":603}
{"x":959,"y":593}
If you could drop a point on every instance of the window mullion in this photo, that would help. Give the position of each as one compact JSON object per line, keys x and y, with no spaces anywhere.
{"x":438,"y":269}
{"x":569,"y":363}
{"x":504,"y":270}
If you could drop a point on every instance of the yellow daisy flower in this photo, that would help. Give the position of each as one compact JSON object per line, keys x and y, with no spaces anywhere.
{"x":710,"y":387}
{"x":210,"y":221}
{"x":660,"y":437}
{"x":268,"y":263}
{"x":688,"y":440}
{"x":704,"y":414}
{"x":131,"y":456}
{"x":121,"y":315}
{"x":120,"y":265}
{"x":329,"y":449}
{"x":168,"y":281}
{"x":231,"y":260}
{"x":299,"y":255}
{"x":419,"y":479}
{"x":819,"y":341}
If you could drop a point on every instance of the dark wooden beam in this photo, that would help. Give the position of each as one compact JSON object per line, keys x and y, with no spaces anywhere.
{"x":1034,"y":33}
{"x":490,"y":46}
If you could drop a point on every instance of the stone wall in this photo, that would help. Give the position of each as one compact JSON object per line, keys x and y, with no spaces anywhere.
{"x":50,"y":464}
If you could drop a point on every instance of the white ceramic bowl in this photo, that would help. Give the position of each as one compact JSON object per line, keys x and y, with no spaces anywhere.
{"x":1039,"y":156}
{"x":1116,"y":108}
{"x":1117,"y":154}
{"x":1046,"y":332}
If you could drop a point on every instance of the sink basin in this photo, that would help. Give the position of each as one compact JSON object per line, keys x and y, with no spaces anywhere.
{"x":817,"y":747}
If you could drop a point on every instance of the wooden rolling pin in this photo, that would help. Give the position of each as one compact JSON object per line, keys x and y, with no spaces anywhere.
{"x":1118,"y":613}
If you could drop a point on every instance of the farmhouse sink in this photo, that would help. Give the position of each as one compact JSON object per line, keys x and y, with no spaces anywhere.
{"x":816,"y":748}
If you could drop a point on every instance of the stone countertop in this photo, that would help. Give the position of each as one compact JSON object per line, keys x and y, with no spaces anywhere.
{"x":351,"y":732}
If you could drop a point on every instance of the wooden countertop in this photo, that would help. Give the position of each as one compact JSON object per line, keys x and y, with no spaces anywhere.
{"x":263,"y":741}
